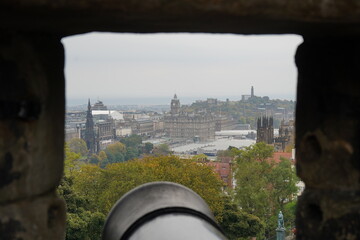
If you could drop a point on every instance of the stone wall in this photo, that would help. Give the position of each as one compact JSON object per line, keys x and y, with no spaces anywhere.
{"x":327,"y":138}
{"x":32,"y":98}
{"x":31,"y":137}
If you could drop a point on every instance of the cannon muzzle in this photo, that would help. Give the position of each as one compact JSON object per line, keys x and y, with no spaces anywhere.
{"x":161,"y":211}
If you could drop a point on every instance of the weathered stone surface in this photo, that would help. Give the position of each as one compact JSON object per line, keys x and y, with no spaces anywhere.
{"x":229,"y":16}
{"x":328,"y":106}
{"x":42,"y":218}
{"x":328,"y":215}
{"x":32,"y":116}
{"x":327,"y":138}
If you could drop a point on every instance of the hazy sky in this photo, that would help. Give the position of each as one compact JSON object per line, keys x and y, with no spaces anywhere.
{"x":194,"y":66}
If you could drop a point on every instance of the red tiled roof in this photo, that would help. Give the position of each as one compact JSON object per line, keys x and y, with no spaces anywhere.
{"x":277,"y":155}
{"x":223,"y":170}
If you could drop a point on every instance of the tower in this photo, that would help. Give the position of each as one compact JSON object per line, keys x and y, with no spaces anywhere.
{"x":175,"y":105}
{"x":89,"y":131}
{"x":265,"y":130}
{"x":252,"y":91}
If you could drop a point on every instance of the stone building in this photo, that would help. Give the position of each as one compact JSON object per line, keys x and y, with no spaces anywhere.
{"x":286,"y":135}
{"x":246,"y":97}
{"x":99,"y":105}
{"x":265,"y":130}
{"x":190,"y":126}
{"x":142,"y":127}
{"x":105,"y":134}
{"x":97,"y":134}
{"x":225,"y":122}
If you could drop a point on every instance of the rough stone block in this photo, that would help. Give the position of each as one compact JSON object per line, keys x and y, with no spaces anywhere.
{"x":328,"y":215}
{"x":328,"y":106}
{"x":31,"y":116}
{"x":329,"y":17}
{"x":42,"y":218}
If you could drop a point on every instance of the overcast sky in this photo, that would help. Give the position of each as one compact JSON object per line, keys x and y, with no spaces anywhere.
{"x":122,"y":67}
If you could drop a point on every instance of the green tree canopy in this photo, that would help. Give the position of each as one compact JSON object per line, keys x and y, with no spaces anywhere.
{"x":71,"y":160}
{"x":81,"y":221}
{"x":148,"y":147}
{"x":94,"y":159}
{"x":256,"y":152}
{"x":161,"y":149}
{"x":102,"y":156}
{"x":238,"y":224}
{"x":133,"y":141}
{"x":115,"y":153}
{"x":200,"y":158}
{"x":263,"y":187}
{"x":91,"y":191}
{"x":103,"y":187}
{"x":78,"y":146}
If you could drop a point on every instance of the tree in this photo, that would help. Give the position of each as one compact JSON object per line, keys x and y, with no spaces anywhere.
{"x":71,"y":160}
{"x":162,"y":149}
{"x":95,"y":191}
{"x":200,"y":158}
{"x":81,"y":221}
{"x":115,"y":153}
{"x":78,"y":146}
{"x":148,"y":147}
{"x":263,"y":187}
{"x":289,"y":211}
{"x":283,"y":181}
{"x":103,"y":187}
{"x":239,"y":224}
{"x":132,"y":141}
{"x":94,"y":159}
{"x":101,"y":159}
{"x":131,"y":153}
{"x":102,"y":156}
{"x":257,"y":152}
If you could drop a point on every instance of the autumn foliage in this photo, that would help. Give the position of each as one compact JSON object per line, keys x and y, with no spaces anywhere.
{"x":103,"y":187}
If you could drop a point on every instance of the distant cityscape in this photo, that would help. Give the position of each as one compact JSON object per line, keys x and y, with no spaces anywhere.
{"x":205,"y":126}
{"x":256,"y":130}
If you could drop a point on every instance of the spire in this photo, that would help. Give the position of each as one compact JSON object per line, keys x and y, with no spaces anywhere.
{"x":89,"y":105}
{"x":175,"y":97}
{"x":252,"y":91}
{"x":89,"y":131}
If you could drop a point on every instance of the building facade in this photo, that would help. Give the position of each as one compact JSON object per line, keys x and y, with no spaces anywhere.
{"x":192,"y":126}
{"x":286,"y":135}
{"x":97,"y":133}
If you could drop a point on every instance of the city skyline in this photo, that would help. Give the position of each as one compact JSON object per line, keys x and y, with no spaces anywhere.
{"x":150,"y":68}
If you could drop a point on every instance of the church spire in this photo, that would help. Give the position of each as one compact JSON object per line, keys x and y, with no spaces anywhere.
{"x":89,"y":105}
{"x":89,"y":131}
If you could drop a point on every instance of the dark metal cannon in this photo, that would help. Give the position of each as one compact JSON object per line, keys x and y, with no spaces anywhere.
{"x":161,"y":211}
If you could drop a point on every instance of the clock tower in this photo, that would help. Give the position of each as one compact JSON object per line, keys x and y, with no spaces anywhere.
{"x":175,"y":105}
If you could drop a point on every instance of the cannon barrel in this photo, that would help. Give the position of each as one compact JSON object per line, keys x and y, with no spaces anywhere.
{"x":161,"y":211}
